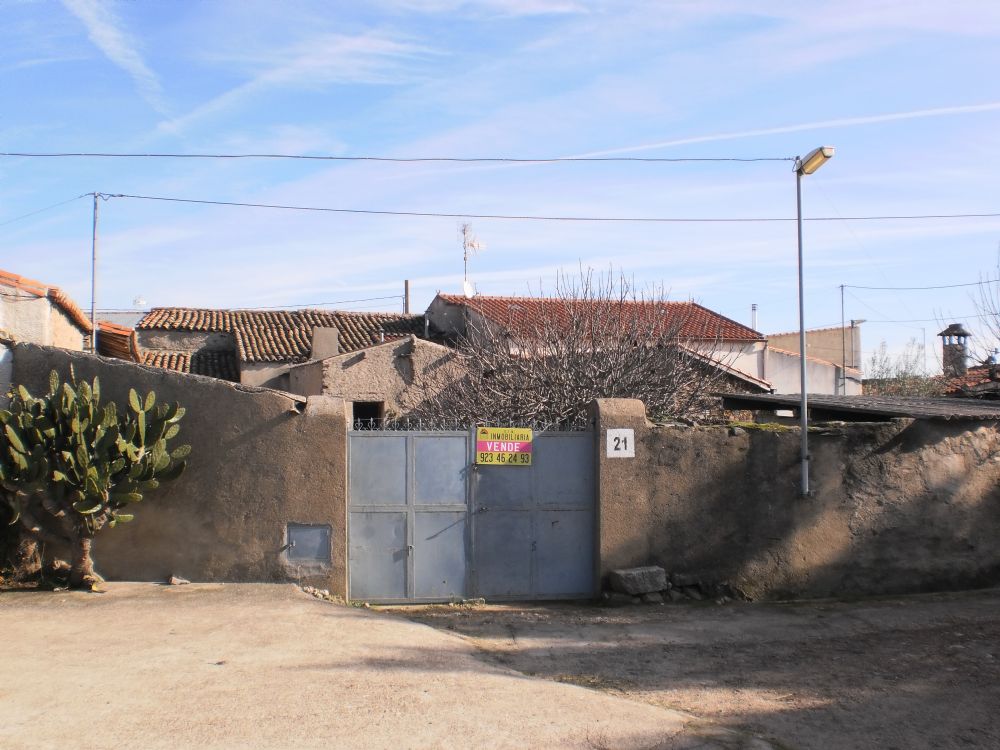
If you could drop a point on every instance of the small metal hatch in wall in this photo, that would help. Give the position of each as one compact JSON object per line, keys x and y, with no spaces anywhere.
{"x":308,"y":543}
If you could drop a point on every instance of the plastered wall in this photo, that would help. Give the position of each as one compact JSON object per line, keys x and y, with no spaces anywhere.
{"x":260,"y":460}
{"x":897,"y":507}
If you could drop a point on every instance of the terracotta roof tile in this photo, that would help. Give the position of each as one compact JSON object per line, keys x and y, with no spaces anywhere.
{"x":214,"y":364}
{"x":54,"y":293}
{"x":285,"y":335}
{"x":977,"y":378}
{"x":686,"y":320}
{"x":117,"y":341}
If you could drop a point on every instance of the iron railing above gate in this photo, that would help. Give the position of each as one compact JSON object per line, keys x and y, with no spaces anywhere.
{"x":451,"y":424}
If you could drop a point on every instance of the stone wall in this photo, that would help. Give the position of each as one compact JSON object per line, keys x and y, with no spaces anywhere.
{"x":399,"y":374}
{"x":898,"y":507}
{"x":260,"y":460}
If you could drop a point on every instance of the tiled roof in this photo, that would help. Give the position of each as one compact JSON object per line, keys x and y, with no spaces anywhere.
{"x":685,"y":320}
{"x":214,"y":364}
{"x":54,"y":293}
{"x":976,"y":379}
{"x":117,"y":341}
{"x":285,"y":335}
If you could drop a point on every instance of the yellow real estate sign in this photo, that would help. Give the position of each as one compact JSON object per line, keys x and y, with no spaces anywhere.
{"x":503,"y":446}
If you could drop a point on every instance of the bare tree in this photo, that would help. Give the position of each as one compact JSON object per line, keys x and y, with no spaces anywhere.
{"x":595,"y":337}
{"x":901,"y":374}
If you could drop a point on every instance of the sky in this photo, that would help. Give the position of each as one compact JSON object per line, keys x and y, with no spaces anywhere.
{"x":907,"y":93}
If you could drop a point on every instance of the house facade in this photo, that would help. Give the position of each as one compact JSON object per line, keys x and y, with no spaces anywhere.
{"x":258,"y":347}
{"x":748,"y":358}
{"x":382,"y":381}
{"x":38,"y":313}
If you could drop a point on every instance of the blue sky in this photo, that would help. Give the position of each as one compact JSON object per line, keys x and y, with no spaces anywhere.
{"x":907,"y":92}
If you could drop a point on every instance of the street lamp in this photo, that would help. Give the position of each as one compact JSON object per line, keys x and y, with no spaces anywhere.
{"x":805,"y":165}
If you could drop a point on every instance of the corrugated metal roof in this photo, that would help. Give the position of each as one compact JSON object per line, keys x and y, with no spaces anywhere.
{"x":877,"y":407}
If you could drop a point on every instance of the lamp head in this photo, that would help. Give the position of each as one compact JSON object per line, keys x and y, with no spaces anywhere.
{"x":814,"y":159}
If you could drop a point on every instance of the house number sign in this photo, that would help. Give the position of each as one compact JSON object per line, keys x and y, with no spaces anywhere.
{"x":621,"y":443}
{"x":503,"y":446}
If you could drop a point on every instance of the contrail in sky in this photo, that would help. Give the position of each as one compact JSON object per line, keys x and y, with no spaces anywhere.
{"x":844,"y":122}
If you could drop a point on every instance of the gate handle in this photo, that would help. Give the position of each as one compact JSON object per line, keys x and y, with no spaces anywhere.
{"x":483,"y":509}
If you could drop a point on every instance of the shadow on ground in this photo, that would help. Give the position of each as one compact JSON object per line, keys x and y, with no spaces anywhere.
{"x":906,"y":672}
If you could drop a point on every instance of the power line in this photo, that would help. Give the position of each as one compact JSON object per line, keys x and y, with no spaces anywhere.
{"x":526,"y":217}
{"x":318,"y":304}
{"x":935,"y":320}
{"x":398,"y":160}
{"x":42,"y":210}
{"x":915,"y":288}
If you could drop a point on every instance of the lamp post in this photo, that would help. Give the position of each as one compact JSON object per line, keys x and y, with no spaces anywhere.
{"x":805,"y":165}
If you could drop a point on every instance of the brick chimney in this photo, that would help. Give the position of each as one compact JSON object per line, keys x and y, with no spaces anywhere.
{"x":954,"y":355}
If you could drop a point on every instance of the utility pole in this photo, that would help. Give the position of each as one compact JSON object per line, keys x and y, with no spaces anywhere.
{"x":406,"y":296}
{"x":93,"y":281}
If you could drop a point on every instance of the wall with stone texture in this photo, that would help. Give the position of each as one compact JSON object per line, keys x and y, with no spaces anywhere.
{"x":260,"y":460}
{"x":398,"y":373}
{"x":898,"y":507}
{"x":185,"y":341}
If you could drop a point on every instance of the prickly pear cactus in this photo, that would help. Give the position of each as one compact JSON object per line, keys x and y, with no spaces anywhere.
{"x":70,"y":465}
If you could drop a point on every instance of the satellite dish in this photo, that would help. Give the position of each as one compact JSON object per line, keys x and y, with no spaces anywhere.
{"x":468,"y":289}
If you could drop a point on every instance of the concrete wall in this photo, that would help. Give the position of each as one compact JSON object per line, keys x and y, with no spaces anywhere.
{"x":832,"y":344}
{"x":63,"y":331}
{"x":898,"y":507}
{"x":783,"y":372}
{"x":260,"y":460}
{"x":36,"y":319}
{"x":265,"y":374}
{"x":306,"y":379}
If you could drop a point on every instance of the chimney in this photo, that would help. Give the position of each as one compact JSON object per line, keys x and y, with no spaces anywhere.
{"x":954,"y":354}
{"x":325,"y":343}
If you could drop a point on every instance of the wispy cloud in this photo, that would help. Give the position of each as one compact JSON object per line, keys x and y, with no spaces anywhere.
{"x":843,"y":122}
{"x":105,"y":31}
{"x":321,"y":61}
{"x":492,"y":7}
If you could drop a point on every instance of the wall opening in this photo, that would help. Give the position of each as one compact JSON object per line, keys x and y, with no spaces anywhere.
{"x":369,"y":413}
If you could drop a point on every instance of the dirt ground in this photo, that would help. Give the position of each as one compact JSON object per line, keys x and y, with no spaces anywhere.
{"x":907,"y":672}
{"x":268,"y":666}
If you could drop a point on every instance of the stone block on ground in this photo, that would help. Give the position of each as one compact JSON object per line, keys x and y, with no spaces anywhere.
{"x":652,"y":598}
{"x":676,"y":595}
{"x":637,"y":581}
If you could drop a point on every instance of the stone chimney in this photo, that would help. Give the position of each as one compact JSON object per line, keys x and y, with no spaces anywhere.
{"x":325,"y":343}
{"x":954,"y":354}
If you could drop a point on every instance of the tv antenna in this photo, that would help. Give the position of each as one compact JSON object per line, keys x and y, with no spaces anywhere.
{"x":470,"y":246}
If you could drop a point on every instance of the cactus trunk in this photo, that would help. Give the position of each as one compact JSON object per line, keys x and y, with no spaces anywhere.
{"x":82,"y":566}
{"x":26,"y":560}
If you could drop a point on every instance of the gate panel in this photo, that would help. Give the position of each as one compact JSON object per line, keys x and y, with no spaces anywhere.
{"x":439,"y":473}
{"x":408,"y":508}
{"x":439,"y":555}
{"x":565,"y":552}
{"x":378,"y":555}
{"x":503,"y":553}
{"x":412,"y":537}
{"x":533,"y":526}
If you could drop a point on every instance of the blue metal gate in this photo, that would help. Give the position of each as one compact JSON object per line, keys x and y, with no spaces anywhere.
{"x":426,"y":524}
